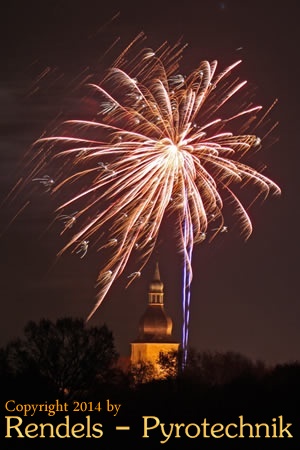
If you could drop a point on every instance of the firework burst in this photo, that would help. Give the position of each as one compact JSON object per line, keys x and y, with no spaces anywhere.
{"x":160,"y":144}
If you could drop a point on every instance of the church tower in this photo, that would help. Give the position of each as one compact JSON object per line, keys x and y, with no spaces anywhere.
{"x":155,"y":328}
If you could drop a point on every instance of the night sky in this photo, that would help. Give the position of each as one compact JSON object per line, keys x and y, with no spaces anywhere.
{"x":245,"y":296}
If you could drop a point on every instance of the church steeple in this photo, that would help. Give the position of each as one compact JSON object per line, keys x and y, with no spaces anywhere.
{"x":156,"y":288}
{"x":155,"y":325}
{"x":155,"y":329}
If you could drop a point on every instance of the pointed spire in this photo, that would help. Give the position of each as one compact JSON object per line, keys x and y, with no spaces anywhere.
{"x":156,"y":273}
{"x":156,"y":286}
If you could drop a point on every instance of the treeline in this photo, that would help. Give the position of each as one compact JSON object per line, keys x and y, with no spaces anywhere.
{"x":68,"y":361}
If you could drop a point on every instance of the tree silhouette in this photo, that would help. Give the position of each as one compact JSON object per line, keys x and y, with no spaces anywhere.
{"x":70,"y":355}
{"x":216,"y":368}
{"x":4,"y":364}
{"x":143,"y":372}
{"x":210,"y":368}
{"x":169,"y":363}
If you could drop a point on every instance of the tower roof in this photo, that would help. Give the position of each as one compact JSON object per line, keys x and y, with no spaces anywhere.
{"x":155,"y":325}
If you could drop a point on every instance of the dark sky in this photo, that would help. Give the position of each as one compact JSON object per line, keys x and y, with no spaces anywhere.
{"x":245,"y":296}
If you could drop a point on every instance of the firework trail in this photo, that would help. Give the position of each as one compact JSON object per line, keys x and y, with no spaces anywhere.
{"x":161,"y":146}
